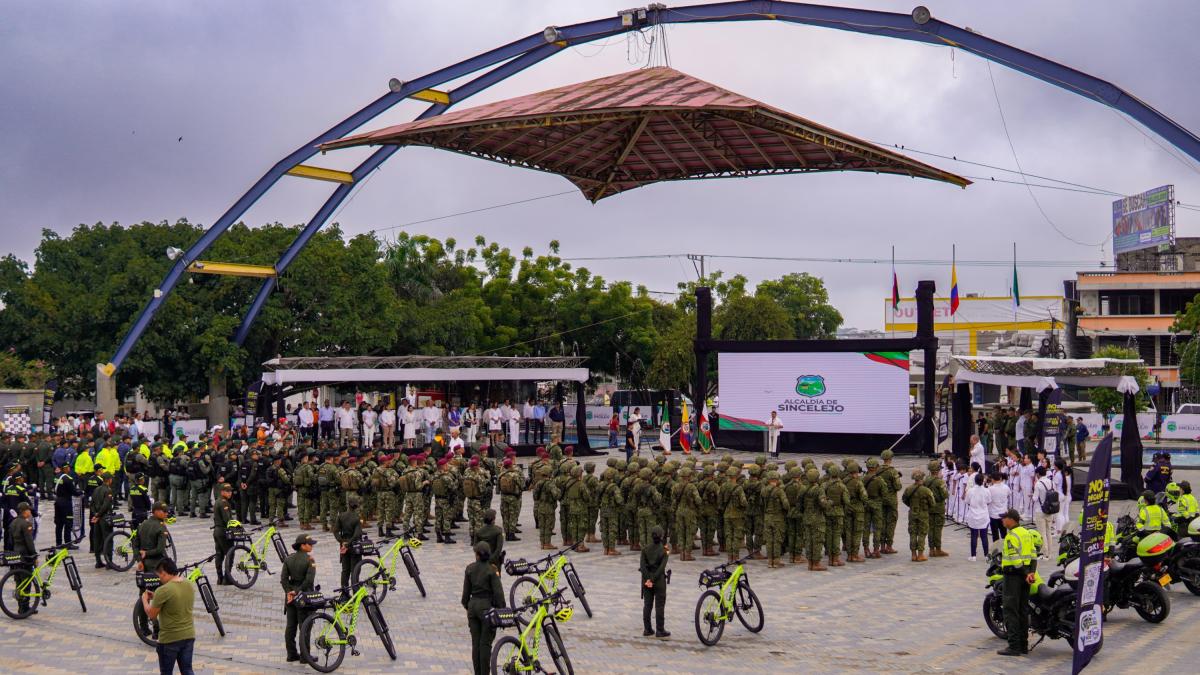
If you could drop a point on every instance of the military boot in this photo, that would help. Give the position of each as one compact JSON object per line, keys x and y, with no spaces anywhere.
{"x":582,"y":549}
{"x":856,"y":558}
{"x":757,"y":555}
{"x":817,"y":566}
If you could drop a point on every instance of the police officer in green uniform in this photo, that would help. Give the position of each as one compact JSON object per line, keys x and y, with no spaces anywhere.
{"x":348,"y":530}
{"x":654,"y":585}
{"x":20,"y":531}
{"x":1019,"y":566}
{"x":102,"y":507}
{"x":299,"y":575}
{"x":481,"y":591}
{"x":222,"y":514}
{"x":152,"y":538}
{"x":493,"y":536}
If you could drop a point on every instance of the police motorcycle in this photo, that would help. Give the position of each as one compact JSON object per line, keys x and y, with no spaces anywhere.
{"x":1170,"y":560}
{"x":1051,"y":609}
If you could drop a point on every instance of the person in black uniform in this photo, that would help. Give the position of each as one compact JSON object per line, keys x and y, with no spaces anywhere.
{"x":15,"y":493}
{"x":101,"y":506}
{"x":222,"y":514}
{"x":151,"y":539}
{"x":299,"y":575}
{"x":481,"y":591}
{"x":65,"y":492}
{"x":347,"y":530}
{"x":654,"y":584}
{"x":139,"y":497}
{"x":493,"y":536}
{"x":247,"y":478}
{"x":21,"y":532}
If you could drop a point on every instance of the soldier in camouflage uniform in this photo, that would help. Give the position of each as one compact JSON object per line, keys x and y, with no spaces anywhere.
{"x":443,"y":494}
{"x":576,"y":497}
{"x":562,"y":476}
{"x":545,"y":496}
{"x":775,"y":511}
{"x":873,"y":529}
{"x":891,"y":510}
{"x":919,"y":501}
{"x":856,"y":513}
{"x":612,"y":502}
{"x":305,"y":482}
{"x":473,"y":481}
{"x":687,"y":507}
{"x":627,"y":530}
{"x":795,"y":490}
{"x":384,"y":481}
{"x":328,"y":480}
{"x":648,"y":501}
{"x":815,"y":504}
{"x":835,"y":513}
{"x":754,"y":513}
{"x":593,"y":505}
{"x":710,"y":515}
{"x":278,"y":491}
{"x":734,"y":503}
{"x":415,"y":484}
{"x":367,"y":493}
{"x":937,"y":511}
{"x":510,"y":484}
{"x":350,"y":480}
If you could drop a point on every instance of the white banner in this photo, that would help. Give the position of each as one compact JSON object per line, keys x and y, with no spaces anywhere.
{"x":598,"y":416}
{"x":1181,"y":427}
{"x":1145,"y":424}
{"x":192,"y":429}
{"x":848,"y":393}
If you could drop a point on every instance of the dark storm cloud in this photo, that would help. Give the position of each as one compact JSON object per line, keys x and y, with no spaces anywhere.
{"x":95,"y":97}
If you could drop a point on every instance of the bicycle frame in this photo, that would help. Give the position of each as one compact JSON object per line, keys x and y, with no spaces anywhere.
{"x":728,"y":590}
{"x":44,"y":584}
{"x":350,"y":607}
{"x":531,"y":636}
{"x":257,"y":558}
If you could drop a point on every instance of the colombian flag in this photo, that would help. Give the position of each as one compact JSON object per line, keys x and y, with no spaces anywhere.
{"x":953,"y":289}
{"x":704,"y":438}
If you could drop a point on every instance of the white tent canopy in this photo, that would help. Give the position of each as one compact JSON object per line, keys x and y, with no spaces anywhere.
{"x":330,"y":370}
{"x":1041,"y":374}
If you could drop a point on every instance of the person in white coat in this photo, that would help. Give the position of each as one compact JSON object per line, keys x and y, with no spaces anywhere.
{"x":978,"y":454}
{"x":491,"y":417}
{"x":774,"y":426}
{"x":999,"y":502}
{"x":410,"y":427}
{"x":635,"y":418}
{"x":978,"y":515}
{"x":369,"y":417}
{"x":470,"y":423}
{"x":514,"y":425}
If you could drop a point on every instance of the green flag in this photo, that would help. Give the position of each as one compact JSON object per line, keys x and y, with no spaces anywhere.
{"x":1016,"y":291}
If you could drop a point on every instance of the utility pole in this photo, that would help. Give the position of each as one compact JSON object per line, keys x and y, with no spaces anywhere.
{"x":697,"y":263}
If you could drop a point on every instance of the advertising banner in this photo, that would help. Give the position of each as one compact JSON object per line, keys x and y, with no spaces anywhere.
{"x":1089,"y":613}
{"x":192,"y":428}
{"x":48,"y":404}
{"x":1053,"y":425}
{"x":1145,"y":423}
{"x":1144,"y":220}
{"x":847,"y":392}
{"x":1180,"y":428}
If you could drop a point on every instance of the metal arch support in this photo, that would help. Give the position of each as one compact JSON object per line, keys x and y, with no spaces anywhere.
{"x":871,"y":22}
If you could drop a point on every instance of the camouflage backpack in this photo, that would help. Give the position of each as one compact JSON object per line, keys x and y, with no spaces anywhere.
{"x":470,"y":484}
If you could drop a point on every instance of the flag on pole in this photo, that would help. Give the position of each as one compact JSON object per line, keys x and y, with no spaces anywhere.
{"x":953,"y":289}
{"x":1016,"y":290}
{"x":685,"y":431}
{"x":895,"y":291}
{"x":704,"y":438}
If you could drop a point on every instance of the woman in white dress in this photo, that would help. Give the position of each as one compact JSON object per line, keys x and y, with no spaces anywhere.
{"x":514,"y":425}
{"x":492,"y":417}
{"x":410,"y":427}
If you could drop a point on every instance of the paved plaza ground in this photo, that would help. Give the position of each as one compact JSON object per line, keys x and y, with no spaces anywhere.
{"x":883,"y":615}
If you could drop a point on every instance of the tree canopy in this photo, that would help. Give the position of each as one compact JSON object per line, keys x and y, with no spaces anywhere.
{"x":1108,"y":400}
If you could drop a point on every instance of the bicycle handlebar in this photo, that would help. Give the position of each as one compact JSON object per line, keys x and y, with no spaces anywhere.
{"x":556,"y":598}
{"x":56,"y":547}
{"x":725,"y":566}
{"x":546,"y":558}
{"x":198,"y":563}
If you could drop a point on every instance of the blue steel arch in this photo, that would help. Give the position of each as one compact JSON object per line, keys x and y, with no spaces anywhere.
{"x":516,"y":56}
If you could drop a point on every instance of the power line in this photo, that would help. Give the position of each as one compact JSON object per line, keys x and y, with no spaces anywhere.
{"x":478,"y":210}
{"x":928,"y":262}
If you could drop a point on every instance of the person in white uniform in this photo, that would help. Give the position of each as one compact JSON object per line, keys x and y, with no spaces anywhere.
{"x":635,"y":418}
{"x":345,"y":422}
{"x":978,"y":453}
{"x":774,"y":426}
{"x":514,"y":425}
{"x":410,"y":427}
{"x":491,"y":417}
{"x":369,"y":417}
{"x":470,"y":423}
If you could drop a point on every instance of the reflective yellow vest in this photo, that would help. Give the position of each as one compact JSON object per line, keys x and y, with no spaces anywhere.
{"x":1152,"y":518}
{"x":1188,"y":508}
{"x":83,"y":464}
{"x":1019,"y":547}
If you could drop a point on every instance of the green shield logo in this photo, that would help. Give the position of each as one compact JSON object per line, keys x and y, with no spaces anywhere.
{"x":810,"y":385}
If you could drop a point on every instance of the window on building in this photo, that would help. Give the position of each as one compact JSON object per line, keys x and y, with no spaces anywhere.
{"x":1117,"y":303}
{"x":1175,"y":300}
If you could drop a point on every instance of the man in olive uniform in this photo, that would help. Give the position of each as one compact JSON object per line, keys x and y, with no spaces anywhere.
{"x":919,"y":501}
{"x":734,"y":515}
{"x":384,"y":482}
{"x":160,"y":472}
{"x":835,"y":513}
{"x":473,"y":481}
{"x":815,"y":504}
{"x":648,"y":500}
{"x":348,"y":530}
{"x":593,"y":505}
{"x":179,"y":480}
{"x":482,"y":591}
{"x":795,"y":490}
{"x":937,"y":511}
{"x":199,"y":473}
{"x":414,"y":483}
{"x":856,"y":513}
{"x":222,"y":514}
{"x":545,"y":495}
{"x":20,"y":531}
{"x":305,"y":481}
{"x":709,"y":515}
{"x":299,"y":576}
{"x":152,"y":538}
{"x":654,"y":584}
{"x":443,"y":491}
{"x":328,"y":483}
{"x":278,"y":490}
{"x":511,"y":484}
{"x":687,"y":506}
{"x":891,"y":509}
{"x":101,"y":507}
{"x":775,"y":510}
{"x":612,"y":503}
{"x":627,"y":530}
{"x":875,"y":485}
{"x":493,"y":536}
{"x":754,"y":523}
{"x":576,"y":496}
{"x":350,"y":481}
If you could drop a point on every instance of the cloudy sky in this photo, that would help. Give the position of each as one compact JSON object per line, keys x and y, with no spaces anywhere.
{"x":96,"y":95}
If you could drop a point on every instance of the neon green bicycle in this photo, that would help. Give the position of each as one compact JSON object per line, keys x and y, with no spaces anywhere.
{"x":377,"y":572}
{"x":513,"y":655}
{"x":715,"y":608}
{"x":23,"y":589}
{"x":325,"y":635}
{"x":549,"y":570}
{"x":147,"y":629}
{"x":247,"y":558}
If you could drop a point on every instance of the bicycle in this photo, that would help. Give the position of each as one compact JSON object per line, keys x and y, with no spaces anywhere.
{"x":380,"y":575}
{"x":548,"y":570}
{"x":35,"y":585}
{"x":147,"y":630}
{"x":715,"y":608}
{"x":511,"y":655}
{"x":325,"y":636}
{"x":247,"y":558}
{"x":119,"y":552}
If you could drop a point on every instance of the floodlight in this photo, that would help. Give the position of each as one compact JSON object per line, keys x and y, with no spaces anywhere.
{"x":921,"y":15}
{"x":173,"y":253}
{"x":551,"y":34}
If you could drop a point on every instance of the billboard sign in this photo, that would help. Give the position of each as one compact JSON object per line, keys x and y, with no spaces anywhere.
{"x":844,"y":392}
{"x":1144,"y":220}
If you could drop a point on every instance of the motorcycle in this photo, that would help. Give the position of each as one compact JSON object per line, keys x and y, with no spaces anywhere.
{"x":1051,"y":609}
{"x":1125,"y":586}
{"x":1178,"y":562}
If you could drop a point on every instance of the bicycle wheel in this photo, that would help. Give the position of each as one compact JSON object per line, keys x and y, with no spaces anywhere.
{"x":369,"y":570}
{"x":413,"y":571}
{"x":316,"y":647}
{"x":507,"y":658}
{"x":217,"y":620}
{"x":171,"y":548}
{"x":577,"y":588}
{"x":375,"y":614}
{"x":118,"y":551}
{"x":524,"y":591}
{"x":241,"y":569}
{"x":558,"y":651}
{"x":82,"y":604}
{"x":146,"y":630}
{"x":709,"y":624}
{"x":10,"y":588}
{"x":748,"y":609}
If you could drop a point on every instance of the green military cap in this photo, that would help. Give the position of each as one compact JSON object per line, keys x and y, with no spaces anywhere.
{"x":576,"y":470}
{"x":853,"y":467}
{"x":846,"y":462}
{"x":790,"y":464}
{"x":807,"y":463}
{"x":661,"y":459}
{"x":685,"y":473}
{"x":812,"y":475}
{"x":225,"y":487}
{"x":934,"y":465}
{"x":885,"y":455}
{"x":590,"y":467}
{"x":834,"y":471}
{"x":645,"y":474}
{"x":760,"y":460}
{"x":918,"y":475}
{"x":772,"y":477}
{"x":612,"y":461}
{"x":619,"y":465}
{"x":795,"y":472}
{"x":754,"y":470}
{"x":732,"y":472}
{"x":828,"y":465}
{"x":872,"y":463}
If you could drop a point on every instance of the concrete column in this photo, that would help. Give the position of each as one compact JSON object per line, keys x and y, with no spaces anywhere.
{"x":106,"y":390}
{"x":218,"y":401}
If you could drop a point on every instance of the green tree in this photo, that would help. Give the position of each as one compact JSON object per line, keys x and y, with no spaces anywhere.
{"x":1108,"y":400}
{"x":750,"y":318}
{"x":1188,"y":322}
{"x":16,"y":373}
{"x":804,"y":298}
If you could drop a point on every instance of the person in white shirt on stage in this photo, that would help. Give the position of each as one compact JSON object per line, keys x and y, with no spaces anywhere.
{"x":307,"y":422}
{"x":325,"y":418}
{"x":433,"y":418}
{"x":505,"y":411}
{"x":345,"y":423}
{"x":491,"y":417}
{"x":387,"y":422}
{"x":410,"y":427}
{"x":635,"y":418}
{"x":369,"y":417}
{"x":527,"y":415}
{"x":978,"y":453}
{"x":999,"y":502}
{"x":514,"y":425}
{"x":774,"y":426}
{"x":470,"y":423}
